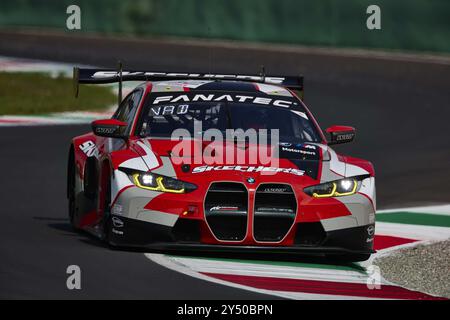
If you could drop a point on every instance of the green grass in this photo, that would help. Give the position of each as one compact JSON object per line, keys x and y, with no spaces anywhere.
{"x":424,"y":219}
{"x":38,"y":93}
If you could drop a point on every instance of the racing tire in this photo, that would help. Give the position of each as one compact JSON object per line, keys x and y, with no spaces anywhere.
{"x":106,"y":221}
{"x":71,"y":176}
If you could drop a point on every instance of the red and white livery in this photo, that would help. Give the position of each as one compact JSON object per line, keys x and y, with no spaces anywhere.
{"x":129,"y":184}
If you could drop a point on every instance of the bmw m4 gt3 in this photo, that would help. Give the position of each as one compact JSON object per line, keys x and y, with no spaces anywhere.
{"x":129,"y":183}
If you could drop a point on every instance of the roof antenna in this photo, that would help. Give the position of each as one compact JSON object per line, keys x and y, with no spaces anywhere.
{"x":263,"y":74}
{"x":120,"y":83}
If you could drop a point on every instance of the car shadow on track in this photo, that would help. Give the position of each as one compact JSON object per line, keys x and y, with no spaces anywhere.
{"x":282,"y":258}
{"x":60,"y":224}
{"x":63,"y":225}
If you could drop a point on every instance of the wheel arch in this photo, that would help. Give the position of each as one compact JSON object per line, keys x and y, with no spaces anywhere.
{"x":106,"y":172}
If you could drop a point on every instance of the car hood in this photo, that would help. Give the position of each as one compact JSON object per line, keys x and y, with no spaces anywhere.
{"x":172,"y":159}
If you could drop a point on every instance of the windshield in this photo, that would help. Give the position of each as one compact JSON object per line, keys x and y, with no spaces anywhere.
{"x":162,"y":120}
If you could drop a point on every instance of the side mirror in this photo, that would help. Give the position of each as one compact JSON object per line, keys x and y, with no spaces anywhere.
{"x":111,"y":128}
{"x":340,"y":134}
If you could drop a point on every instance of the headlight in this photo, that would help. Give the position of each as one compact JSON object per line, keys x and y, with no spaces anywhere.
{"x":156,"y":182}
{"x":337,"y":188}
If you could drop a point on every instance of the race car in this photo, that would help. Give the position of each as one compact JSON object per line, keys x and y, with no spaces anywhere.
{"x":157,"y":176}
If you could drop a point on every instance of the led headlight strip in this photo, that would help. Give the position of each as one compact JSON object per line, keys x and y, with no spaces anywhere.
{"x":159,"y":185}
{"x":338,"y":188}
{"x":156,"y":182}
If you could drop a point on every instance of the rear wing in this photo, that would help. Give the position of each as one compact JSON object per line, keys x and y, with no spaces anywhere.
{"x":104,"y":76}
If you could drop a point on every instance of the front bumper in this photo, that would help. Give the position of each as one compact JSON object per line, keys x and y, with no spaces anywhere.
{"x":187,"y":238}
{"x":207,"y":248}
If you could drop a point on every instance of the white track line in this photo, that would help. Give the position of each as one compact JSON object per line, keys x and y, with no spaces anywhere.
{"x":176,"y":266}
{"x":412,"y":231}
{"x":193,"y":267}
{"x":268,"y":270}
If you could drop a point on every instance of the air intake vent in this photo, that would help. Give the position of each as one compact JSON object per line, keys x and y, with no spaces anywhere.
{"x":226,"y":210}
{"x":275,"y":209}
{"x":309,"y":234}
{"x":186,"y":230}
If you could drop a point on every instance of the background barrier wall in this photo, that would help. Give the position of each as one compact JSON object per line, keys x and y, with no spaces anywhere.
{"x":415,"y":25}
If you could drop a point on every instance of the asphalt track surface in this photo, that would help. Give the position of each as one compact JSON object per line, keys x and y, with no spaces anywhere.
{"x":400,"y":109}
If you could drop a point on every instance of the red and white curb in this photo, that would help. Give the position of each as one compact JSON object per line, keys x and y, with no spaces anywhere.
{"x":62,"y":118}
{"x":299,"y":280}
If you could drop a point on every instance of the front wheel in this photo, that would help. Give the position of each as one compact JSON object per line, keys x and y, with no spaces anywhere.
{"x":71,"y":176}
{"x":106,"y":206}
